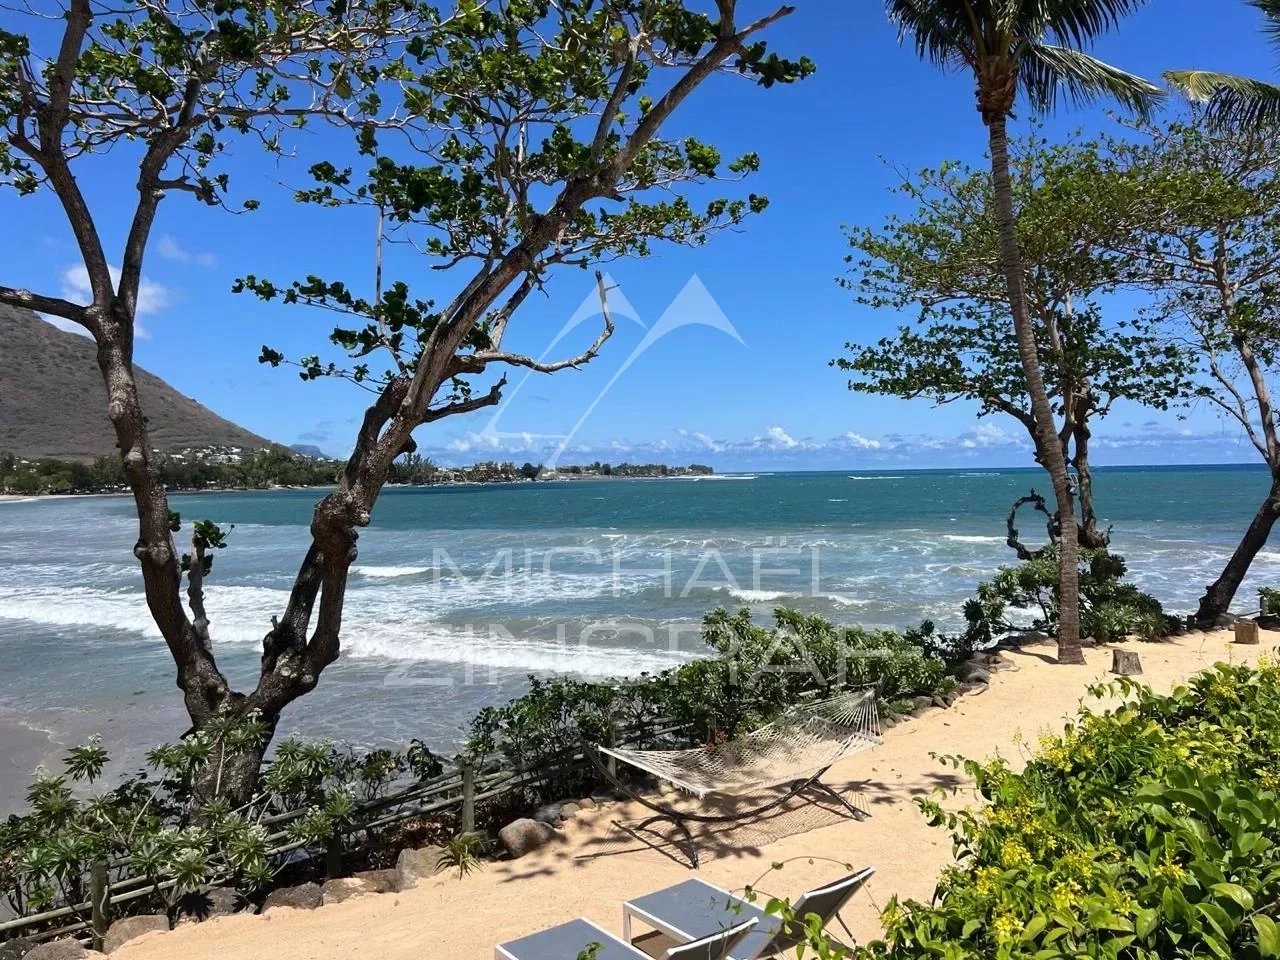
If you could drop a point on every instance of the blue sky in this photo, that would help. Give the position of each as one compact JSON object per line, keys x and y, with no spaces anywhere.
{"x":747,"y":386}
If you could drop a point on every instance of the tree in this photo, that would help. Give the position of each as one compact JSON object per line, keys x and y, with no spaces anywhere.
{"x":944,"y":260}
{"x":1002,"y":43}
{"x":1212,"y":256}
{"x":532,"y":137}
{"x":1232,"y":98}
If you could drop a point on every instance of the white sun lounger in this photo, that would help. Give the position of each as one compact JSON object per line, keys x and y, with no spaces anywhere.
{"x":695,"y":908}
{"x":578,"y":938}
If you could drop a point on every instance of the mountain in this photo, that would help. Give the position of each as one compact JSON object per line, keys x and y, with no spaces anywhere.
{"x":53,"y":402}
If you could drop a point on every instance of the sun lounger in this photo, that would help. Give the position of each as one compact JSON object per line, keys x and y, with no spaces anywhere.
{"x":578,"y":938}
{"x":695,"y":908}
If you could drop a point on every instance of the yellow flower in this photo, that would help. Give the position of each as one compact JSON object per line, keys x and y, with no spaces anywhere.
{"x":1006,"y":926}
{"x":1014,"y":854}
{"x":986,"y":880}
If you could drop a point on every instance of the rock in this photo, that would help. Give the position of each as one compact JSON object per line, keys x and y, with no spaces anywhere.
{"x":378,"y":881}
{"x":950,"y":697}
{"x":548,"y":813}
{"x":15,"y":949}
{"x":336,"y":891}
{"x":1002,"y":664}
{"x":940,"y":702}
{"x":524,"y":836}
{"x":888,"y":723}
{"x":64,"y":949}
{"x":414,"y":864}
{"x":129,"y":928}
{"x":971,"y":688}
{"x":586,"y":803}
{"x":922,"y":706}
{"x":569,"y":810}
{"x":972,"y":673}
{"x":217,"y":902}
{"x":306,"y":896}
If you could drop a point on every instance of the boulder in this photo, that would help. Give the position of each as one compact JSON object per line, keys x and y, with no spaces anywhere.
{"x":129,"y":928}
{"x":414,"y":864}
{"x":524,"y":836}
{"x":217,"y":902}
{"x":336,"y":891}
{"x":922,"y":705}
{"x":64,"y":949}
{"x":306,"y":896}
{"x":16,"y":949}
{"x":971,"y":687}
{"x":570,"y":810}
{"x":972,"y":673}
{"x":548,"y":813}
{"x":378,"y":881}
{"x":586,"y":803}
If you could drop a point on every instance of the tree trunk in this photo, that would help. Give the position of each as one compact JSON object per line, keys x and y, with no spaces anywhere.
{"x":1091,"y":537}
{"x":1047,"y":444}
{"x":1217,"y":598}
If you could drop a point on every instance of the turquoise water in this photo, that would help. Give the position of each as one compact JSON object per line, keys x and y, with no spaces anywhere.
{"x":460,"y":592}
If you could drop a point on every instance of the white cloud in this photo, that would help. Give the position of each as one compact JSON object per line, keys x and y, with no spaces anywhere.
{"x":861,"y":442}
{"x":169,"y":248}
{"x":152,"y":297}
{"x":987,"y":435}
{"x":780,"y":438}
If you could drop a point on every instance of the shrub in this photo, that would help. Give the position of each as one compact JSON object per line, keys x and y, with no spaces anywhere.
{"x":1151,"y":830}
{"x":1110,"y":608}
{"x":158,"y":820}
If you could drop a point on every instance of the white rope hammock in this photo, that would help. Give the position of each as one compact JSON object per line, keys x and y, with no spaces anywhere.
{"x":803,"y":741}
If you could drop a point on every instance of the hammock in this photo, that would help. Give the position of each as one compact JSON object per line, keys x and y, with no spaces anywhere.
{"x":796,"y":749}
{"x":805,"y":739}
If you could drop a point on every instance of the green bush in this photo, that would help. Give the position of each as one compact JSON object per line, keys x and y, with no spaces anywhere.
{"x":1110,"y":608}
{"x":1151,"y":830}
{"x":158,"y":820}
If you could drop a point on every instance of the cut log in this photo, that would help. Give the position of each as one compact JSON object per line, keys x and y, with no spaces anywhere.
{"x":1126,"y":663}
{"x":1247,"y":631}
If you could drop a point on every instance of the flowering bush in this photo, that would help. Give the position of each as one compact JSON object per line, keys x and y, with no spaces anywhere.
{"x":1151,"y":830}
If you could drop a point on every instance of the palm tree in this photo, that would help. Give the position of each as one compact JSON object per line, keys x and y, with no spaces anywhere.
{"x":1031,"y":48}
{"x":1232,"y":98}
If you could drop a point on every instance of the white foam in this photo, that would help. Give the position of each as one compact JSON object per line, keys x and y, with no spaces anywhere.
{"x":389,"y":571}
{"x":960,"y":538}
{"x":851,"y":477}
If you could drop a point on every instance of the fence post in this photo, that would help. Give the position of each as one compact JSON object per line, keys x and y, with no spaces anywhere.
{"x":333,"y":857}
{"x":98,"y":893}
{"x":468,"y":797}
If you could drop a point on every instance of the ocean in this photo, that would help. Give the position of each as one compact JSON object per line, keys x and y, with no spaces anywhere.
{"x":459,"y":593}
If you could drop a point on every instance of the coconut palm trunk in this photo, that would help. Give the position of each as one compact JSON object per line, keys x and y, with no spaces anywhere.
{"x":1048,"y":449}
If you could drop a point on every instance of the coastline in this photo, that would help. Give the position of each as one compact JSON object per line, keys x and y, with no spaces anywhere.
{"x":23,"y":747}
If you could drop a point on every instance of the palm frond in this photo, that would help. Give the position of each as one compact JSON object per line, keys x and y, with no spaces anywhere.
{"x":1050,"y":72}
{"x":1078,"y":23}
{"x":940,"y":30}
{"x":1271,"y":10}
{"x":1230,"y":98}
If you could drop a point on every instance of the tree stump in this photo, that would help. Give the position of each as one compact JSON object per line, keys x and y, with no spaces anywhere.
{"x":1126,"y":663}
{"x":1247,"y":631}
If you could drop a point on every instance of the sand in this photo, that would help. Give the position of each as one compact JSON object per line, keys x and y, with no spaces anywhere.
{"x":584,"y":874}
{"x":22,"y":748}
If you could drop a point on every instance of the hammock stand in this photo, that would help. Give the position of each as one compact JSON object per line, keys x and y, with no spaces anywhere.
{"x":839,"y":727}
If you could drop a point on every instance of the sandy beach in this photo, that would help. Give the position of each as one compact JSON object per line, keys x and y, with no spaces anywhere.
{"x":591,"y":870}
{"x":22,"y":749}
